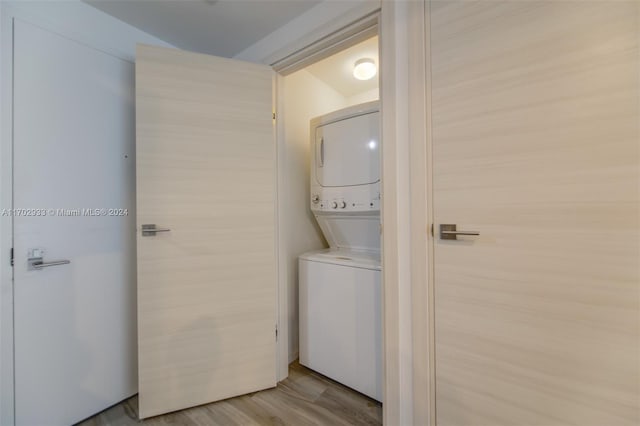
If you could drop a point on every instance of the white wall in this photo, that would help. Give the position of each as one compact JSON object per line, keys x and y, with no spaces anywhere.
{"x":77,"y":21}
{"x":360,"y":98}
{"x":305,"y":97}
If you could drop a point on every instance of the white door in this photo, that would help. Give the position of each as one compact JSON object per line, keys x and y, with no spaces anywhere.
{"x":206,"y":179}
{"x":536,"y":147}
{"x":75,"y":343}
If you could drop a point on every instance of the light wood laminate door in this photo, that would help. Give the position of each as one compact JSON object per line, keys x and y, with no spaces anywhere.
{"x":206,"y":171}
{"x":536,"y":147}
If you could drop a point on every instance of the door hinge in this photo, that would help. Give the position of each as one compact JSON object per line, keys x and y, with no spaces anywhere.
{"x":274,"y":115}
{"x":432,"y":230}
{"x":11,"y":256}
{"x":276,"y":333}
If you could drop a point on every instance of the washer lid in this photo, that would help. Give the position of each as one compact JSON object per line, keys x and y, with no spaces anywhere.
{"x":356,"y":259}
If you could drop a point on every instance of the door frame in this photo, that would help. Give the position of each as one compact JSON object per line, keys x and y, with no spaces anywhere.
{"x":422,"y":223}
{"x":407,"y":215}
{"x":6,"y":222}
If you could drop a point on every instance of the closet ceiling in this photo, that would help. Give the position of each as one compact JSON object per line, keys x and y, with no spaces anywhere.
{"x":337,"y":70}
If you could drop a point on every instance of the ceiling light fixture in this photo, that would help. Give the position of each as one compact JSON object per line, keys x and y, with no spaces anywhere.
{"x":364,"y":69}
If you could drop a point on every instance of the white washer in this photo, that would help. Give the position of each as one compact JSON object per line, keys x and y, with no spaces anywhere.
{"x":341,"y":318}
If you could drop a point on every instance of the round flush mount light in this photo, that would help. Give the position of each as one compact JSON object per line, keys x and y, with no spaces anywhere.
{"x":364,"y":69}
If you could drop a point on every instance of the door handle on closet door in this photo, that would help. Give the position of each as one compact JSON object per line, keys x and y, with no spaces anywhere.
{"x":450,"y":232}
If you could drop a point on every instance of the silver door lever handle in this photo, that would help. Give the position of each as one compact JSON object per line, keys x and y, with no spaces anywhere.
{"x":47,"y":264}
{"x":449,"y":232}
{"x":149,"y":230}
{"x":37,"y":263}
{"x":460,"y":233}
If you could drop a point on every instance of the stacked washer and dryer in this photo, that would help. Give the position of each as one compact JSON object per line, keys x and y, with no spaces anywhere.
{"x":340,"y":287}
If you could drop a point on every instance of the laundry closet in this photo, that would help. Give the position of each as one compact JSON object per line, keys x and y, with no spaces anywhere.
{"x":330,"y":208}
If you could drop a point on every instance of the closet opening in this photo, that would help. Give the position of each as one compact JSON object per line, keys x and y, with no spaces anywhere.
{"x":329,"y":204}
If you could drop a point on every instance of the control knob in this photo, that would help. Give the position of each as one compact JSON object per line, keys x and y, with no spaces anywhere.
{"x":343,"y":204}
{"x":334,"y":205}
{"x":315,"y":199}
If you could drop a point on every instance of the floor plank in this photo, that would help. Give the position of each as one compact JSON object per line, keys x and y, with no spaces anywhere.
{"x":304,"y":398}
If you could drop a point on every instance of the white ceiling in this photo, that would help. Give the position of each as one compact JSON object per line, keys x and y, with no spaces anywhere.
{"x":218,"y":27}
{"x":337,"y":70}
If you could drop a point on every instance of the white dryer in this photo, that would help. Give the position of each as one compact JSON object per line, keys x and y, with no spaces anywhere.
{"x":340,"y":287}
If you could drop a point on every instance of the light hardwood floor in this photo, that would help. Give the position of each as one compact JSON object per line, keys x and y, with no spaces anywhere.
{"x":304,"y":398}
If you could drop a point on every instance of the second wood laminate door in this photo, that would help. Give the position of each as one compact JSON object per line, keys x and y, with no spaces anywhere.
{"x":536,"y":144}
{"x":206,"y":171}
